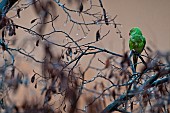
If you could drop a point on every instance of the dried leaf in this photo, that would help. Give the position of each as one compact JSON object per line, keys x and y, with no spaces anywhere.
{"x":81,"y":8}
{"x":16,"y":109}
{"x":47,"y":96}
{"x":114,"y":94}
{"x":75,"y":52}
{"x":69,"y":52}
{"x":43,"y":90}
{"x":105,"y":17}
{"x":3,"y":22}
{"x":62,"y":56}
{"x":3,"y":46}
{"x":10,"y":32}
{"x":145,"y":99}
{"x":95,"y":87}
{"x":32,"y":21}
{"x":107,"y":64}
{"x":121,"y":36}
{"x":64,"y":108}
{"x":131,"y":106}
{"x":98,"y":35}
{"x":102,"y":85}
{"x":18,"y":12}
{"x":110,"y":75}
{"x":67,"y":58}
{"x":33,"y":78}
{"x":37,"y":43}
{"x":53,"y":90}
{"x":35,"y":85}
{"x":115,"y":25}
{"x":13,"y":72}
{"x":3,"y":33}
{"x":2,"y":103}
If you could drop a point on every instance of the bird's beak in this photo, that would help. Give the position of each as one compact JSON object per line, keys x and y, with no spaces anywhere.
{"x":129,"y":33}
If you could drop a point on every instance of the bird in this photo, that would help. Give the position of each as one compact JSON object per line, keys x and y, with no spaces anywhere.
{"x":137,"y":43}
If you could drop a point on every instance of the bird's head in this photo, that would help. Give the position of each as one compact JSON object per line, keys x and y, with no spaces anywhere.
{"x":135,"y":30}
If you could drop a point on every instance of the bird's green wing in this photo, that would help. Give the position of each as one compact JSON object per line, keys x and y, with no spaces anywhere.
{"x":137,"y":43}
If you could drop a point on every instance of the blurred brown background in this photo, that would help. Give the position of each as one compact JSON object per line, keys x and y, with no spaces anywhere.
{"x":152,"y":16}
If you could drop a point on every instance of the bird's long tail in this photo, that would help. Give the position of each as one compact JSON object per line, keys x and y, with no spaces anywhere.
{"x":135,"y":60}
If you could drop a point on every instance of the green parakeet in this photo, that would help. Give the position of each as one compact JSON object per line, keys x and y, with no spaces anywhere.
{"x":137,"y":43}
